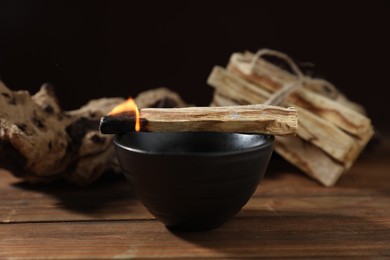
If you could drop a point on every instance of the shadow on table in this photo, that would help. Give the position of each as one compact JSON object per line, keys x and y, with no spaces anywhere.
{"x":256,"y":233}
{"x":110,"y":192}
{"x":369,"y":174}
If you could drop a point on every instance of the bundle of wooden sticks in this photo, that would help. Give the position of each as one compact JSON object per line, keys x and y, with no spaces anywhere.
{"x":332,"y":130}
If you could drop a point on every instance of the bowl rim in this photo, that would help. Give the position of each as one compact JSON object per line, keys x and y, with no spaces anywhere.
{"x":268,"y":142}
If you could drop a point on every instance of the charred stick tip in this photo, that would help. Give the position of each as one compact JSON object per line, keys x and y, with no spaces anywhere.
{"x":117,"y":124}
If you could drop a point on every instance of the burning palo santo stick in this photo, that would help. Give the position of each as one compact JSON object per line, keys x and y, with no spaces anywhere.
{"x":258,"y":119}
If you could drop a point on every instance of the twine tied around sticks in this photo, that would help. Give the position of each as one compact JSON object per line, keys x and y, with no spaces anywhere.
{"x":318,"y":85}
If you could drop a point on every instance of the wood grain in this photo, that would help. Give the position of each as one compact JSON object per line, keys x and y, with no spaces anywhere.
{"x":261,"y":119}
{"x":289,"y":216}
{"x":261,"y":236}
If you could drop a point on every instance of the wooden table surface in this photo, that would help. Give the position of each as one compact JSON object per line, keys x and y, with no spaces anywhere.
{"x":288,"y":216}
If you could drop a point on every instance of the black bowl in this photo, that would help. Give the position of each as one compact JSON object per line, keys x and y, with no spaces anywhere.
{"x":193,"y":181}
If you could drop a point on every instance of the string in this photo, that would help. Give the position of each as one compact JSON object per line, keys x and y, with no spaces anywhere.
{"x":280,"y":96}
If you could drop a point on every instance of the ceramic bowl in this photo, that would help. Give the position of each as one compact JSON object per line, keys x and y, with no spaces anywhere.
{"x":193,"y":181}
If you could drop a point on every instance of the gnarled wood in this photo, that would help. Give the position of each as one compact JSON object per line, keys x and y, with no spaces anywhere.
{"x":40,"y":142}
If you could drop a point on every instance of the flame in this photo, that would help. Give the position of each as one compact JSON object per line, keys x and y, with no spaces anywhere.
{"x":128,"y":106}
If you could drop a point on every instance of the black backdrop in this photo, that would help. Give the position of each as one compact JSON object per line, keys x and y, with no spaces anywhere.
{"x":91,"y":49}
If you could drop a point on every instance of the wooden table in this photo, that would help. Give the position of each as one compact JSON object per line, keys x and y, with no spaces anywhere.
{"x":288,"y":216}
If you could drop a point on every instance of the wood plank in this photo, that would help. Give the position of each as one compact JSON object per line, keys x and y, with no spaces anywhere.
{"x":282,"y":235}
{"x":283,"y":180}
{"x":109,"y":199}
{"x":289,"y":216}
{"x":47,"y":211}
{"x":112,"y":198}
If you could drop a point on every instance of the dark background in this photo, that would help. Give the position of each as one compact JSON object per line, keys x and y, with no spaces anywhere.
{"x":91,"y":49}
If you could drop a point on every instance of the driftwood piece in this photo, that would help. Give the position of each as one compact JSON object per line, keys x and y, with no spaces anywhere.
{"x":260,"y":119}
{"x":39,"y":142}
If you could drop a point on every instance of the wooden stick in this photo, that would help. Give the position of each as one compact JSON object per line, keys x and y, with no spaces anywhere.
{"x":258,"y":119}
